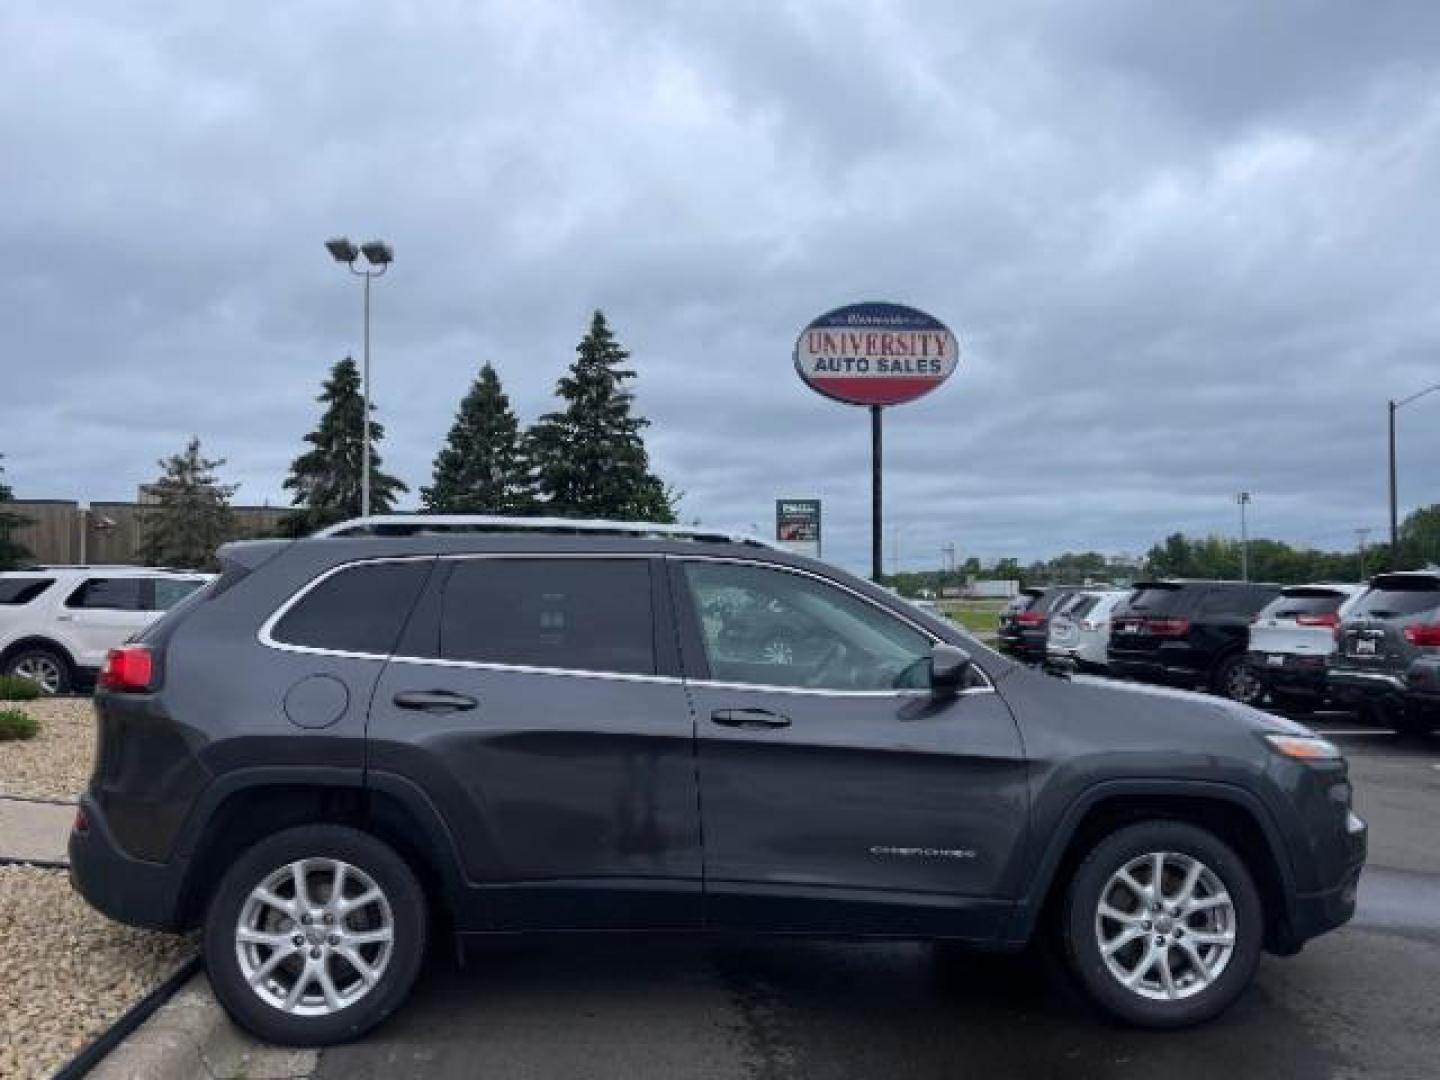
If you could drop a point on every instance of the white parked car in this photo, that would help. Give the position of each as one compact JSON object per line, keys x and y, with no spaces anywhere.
{"x":58,"y":622}
{"x":1292,"y":638}
{"x":1080,"y":630}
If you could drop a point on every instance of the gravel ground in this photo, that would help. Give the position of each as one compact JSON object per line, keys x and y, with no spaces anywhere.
{"x":67,"y":972}
{"x":56,"y":763}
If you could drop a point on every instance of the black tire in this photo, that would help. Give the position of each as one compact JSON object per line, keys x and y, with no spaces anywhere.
{"x":18,"y":663}
{"x":1229,"y":673}
{"x":361,"y":851}
{"x":1294,"y":703}
{"x":1079,"y":925}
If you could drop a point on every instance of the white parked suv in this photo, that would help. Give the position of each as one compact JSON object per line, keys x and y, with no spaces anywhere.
{"x":1292,"y":640}
{"x":58,"y":622}
{"x":1080,"y":629}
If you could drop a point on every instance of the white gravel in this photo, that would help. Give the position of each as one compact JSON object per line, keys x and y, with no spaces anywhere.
{"x":67,"y":972}
{"x":56,"y":763}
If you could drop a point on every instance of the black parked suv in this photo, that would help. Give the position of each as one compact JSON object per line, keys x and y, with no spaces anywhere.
{"x":1386,"y":649}
{"x":1191,"y":634}
{"x":406,"y":727}
{"x":1025,"y":622}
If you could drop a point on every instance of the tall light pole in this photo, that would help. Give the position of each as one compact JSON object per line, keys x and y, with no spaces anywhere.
{"x":379,"y":255}
{"x":1394,"y":501}
{"x":1244,"y":500}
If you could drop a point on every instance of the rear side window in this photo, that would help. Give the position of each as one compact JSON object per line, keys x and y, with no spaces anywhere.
{"x":17,"y":591}
{"x":110,"y":594}
{"x":360,"y":609}
{"x":574,"y":614}
{"x":1381,"y":603}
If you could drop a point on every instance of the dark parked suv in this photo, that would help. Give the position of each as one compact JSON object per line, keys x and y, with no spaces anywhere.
{"x":1387,"y":648}
{"x":1191,"y":634}
{"x":1024,"y":625}
{"x":405,"y":727}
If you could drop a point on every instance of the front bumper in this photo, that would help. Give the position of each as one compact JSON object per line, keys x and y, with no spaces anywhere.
{"x":129,"y":890}
{"x":1315,"y":913}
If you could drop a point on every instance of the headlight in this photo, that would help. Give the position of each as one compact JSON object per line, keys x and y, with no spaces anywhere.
{"x":1304,"y":747}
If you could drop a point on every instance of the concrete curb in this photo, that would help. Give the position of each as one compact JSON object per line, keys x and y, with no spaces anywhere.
{"x":191,"y":1038}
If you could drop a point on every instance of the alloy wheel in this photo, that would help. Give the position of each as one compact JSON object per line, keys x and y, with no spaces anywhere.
{"x":314,"y":937}
{"x":1165,"y":925}
{"x":40,"y":669}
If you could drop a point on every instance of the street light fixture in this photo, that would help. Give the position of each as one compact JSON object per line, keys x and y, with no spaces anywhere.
{"x":1394,"y":502}
{"x":379,"y":255}
{"x":1244,"y":500}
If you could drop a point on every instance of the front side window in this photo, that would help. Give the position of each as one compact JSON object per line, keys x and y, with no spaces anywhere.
{"x":109,"y":594}
{"x":573,"y":614}
{"x":769,"y":627}
{"x":169,"y":592}
{"x":359,"y":609}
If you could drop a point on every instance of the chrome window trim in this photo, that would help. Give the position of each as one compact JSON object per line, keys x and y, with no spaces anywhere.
{"x":266,"y":633}
{"x":931,"y":636}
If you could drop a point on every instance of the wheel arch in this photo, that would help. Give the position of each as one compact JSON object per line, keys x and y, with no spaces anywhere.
{"x":239,"y":813}
{"x":1233,"y":814}
{"x":38,"y":641}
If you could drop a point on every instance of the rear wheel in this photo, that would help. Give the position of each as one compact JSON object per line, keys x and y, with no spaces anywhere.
{"x":1162,"y":925}
{"x":315,"y":935}
{"x":45,"y":667}
{"x":1234,"y":679}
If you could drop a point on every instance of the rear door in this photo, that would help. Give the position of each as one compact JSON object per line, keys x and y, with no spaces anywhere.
{"x":536,"y":701}
{"x":837,"y":794}
{"x":102,"y":612}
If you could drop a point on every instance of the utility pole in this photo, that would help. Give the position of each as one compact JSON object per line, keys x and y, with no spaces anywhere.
{"x":1244,"y":500}
{"x":1361,"y":535}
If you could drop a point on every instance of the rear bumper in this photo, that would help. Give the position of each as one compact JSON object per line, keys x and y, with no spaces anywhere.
{"x":1176,"y":670}
{"x":1298,"y":674}
{"x":1026,"y":644}
{"x":129,"y":890}
{"x":1345,"y":684}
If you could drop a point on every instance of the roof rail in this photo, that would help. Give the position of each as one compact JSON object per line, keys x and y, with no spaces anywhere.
{"x":420,"y":524}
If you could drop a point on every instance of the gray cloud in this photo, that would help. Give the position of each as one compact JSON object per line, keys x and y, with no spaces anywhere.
{"x":1187,"y":250}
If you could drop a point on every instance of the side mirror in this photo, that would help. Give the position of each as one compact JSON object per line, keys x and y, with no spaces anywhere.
{"x":949,"y":665}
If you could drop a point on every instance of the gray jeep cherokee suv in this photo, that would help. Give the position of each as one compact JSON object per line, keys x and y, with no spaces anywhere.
{"x":491,"y":726}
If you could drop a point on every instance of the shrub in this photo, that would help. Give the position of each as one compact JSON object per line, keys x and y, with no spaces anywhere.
{"x":15,"y":688}
{"x":15,"y":724}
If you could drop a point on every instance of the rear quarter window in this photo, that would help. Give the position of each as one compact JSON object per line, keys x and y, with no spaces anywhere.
{"x":1154,"y":600}
{"x":358,"y":609}
{"x":17,"y":591}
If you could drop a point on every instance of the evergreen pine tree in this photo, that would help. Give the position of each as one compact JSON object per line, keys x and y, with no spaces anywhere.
{"x":191,"y":516}
{"x":12,"y":553}
{"x":482,"y":468}
{"x":326,"y":479}
{"x":590,"y":458}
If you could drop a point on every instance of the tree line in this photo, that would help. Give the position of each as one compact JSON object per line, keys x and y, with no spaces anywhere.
{"x":584,"y":459}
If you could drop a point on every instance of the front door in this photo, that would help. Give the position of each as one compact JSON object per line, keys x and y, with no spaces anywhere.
{"x":537,"y":702}
{"x":836,"y":792}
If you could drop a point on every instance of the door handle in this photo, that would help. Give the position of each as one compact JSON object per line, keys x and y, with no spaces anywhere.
{"x":437,"y":701}
{"x":749,"y":718}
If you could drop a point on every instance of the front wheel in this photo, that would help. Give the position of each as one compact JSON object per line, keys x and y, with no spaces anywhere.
{"x":1162,"y":925}
{"x":315,"y":935}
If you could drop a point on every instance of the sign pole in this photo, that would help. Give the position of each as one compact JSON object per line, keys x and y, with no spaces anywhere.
{"x":876,"y":521}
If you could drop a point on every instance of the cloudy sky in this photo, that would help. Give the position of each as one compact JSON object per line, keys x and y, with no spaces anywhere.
{"x":1188,"y":249}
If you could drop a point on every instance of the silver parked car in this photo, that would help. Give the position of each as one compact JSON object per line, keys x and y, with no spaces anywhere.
{"x":1292,"y":640}
{"x":1080,"y":630}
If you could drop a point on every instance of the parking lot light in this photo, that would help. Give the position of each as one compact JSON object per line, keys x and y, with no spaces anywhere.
{"x":379,"y":255}
{"x":1394,"y":500}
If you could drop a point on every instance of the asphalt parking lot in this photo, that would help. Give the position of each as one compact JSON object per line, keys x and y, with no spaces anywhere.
{"x":1361,"y":1002}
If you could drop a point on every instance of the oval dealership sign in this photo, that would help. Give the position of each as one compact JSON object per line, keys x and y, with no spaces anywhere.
{"x":875,"y":354}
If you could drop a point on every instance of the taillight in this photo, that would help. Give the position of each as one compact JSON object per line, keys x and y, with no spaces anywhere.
{"x":1426,"y":634}
{"x":1168,"y":627}
{"x":1030,"y":618}
{"x":128,"y":668}
{"x":1328,"y":618}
